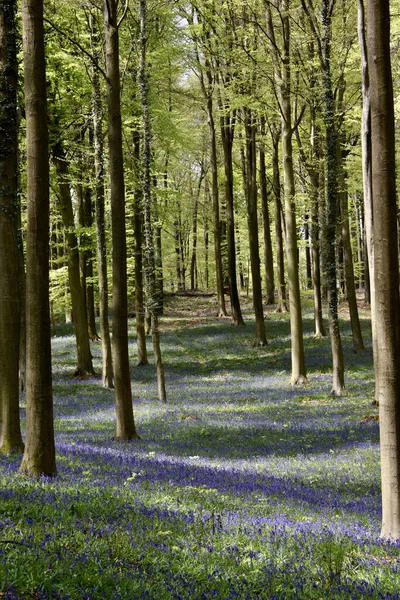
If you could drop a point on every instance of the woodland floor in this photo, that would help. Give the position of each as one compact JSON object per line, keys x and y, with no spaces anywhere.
{"x":241,"y":486}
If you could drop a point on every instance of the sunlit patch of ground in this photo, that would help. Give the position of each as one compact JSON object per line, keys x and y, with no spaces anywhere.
{"x":241,"y":486}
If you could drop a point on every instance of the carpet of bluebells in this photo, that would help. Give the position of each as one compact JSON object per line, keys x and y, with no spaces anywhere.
{"x":240,"y":488}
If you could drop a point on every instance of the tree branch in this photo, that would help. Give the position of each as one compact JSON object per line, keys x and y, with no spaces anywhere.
{"x":78,"y":45}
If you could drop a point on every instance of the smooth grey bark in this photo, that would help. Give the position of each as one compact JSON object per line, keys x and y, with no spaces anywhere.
{"x":39,"y":453}
{"x":10,"y":296}
{"x":125,"y":423}
{"x":386,"y":261}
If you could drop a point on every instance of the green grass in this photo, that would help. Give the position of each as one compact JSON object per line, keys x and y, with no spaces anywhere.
{"x":241,"y":487}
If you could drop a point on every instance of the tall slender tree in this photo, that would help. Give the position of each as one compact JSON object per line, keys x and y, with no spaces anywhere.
{"x":331,"y":198}
{"x":149,"y":259}
{"x":125,"y":423}
{"x":282,"y":71}
{"x":39,"y":454}
{"x":98,"y":142}
{"x":84,"y":357}
{"x":10,"y":305}
{"x":386,"y":261}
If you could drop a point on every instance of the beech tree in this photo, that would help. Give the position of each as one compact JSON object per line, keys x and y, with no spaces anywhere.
{"x":386,"y":261}
{"x":282,"y":74}
{"x":149,"y":261}
{"x":84,"y":357}
{"x":98,"y":142}
{"x":125,"y":423}
{"x":39,"y":454}
{"x":10,"y":301}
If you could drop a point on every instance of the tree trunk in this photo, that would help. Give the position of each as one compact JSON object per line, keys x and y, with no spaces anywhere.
{"x":98,"y":140}
{"x":84,"y":357}
{"x":268,"y":256}
{"x":215,"y":201}
{"x":125,"y":423}
{"x":283,"y":82}
{"x":86,"y":254}
{"x":308,"y":252}
{"x":227,"y":132}
{"x":386,"y":261}
{"x":331,"y":206}
{"x":252,"y":219}
{"x":280,"y":259}
{"x":358,"y":343}
{"x":10,"y":301}
{"x":39,"y":454}
{"x":138,"y":237}
{"x":193,"y":262}
{"x":149,"y":262}
{"x":366,"y":145}
{"x":158,"y":261}
{"x":316,"y":257}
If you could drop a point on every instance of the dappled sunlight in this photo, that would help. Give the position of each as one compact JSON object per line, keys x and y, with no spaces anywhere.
{"x":238,"y":471}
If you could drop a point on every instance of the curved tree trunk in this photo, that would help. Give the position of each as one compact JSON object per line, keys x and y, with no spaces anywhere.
{"x":125,"y":423}
{"x":39,"y":454}
{"x":10,"y":304}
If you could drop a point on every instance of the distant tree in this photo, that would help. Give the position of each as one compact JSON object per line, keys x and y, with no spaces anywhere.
{"x":282,"y":75}
{"x":10,"y":304}
{"x":84,"y":357}
{"x":138,"y":238}
{"x":267,"y":242}
{"x":386,"y":261}
{"x":39,"y":454}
